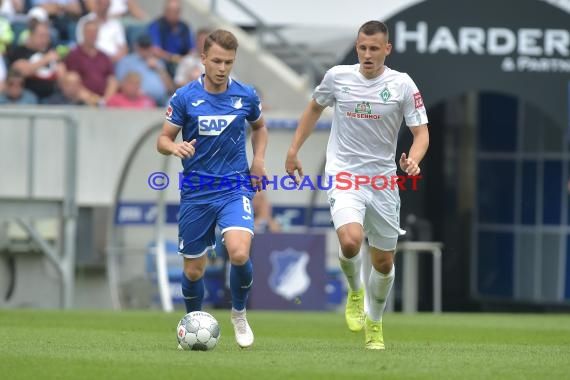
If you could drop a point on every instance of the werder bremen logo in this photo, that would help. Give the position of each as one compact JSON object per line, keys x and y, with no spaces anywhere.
{"x":363,"y":107}
{"x":385,"y":95}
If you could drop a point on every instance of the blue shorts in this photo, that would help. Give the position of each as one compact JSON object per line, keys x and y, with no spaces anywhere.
{"x":197,"y":222}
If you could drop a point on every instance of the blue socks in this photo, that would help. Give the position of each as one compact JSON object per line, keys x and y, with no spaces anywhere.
{"x":193,"y":292}
{"x":241,"y":278}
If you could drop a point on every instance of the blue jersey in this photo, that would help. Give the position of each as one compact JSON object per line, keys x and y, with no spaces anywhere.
{"x":218,"y":123}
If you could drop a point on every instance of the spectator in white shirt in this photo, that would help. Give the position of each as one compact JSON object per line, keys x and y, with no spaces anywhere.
{"x":121,"y":8}
{"x":111,"y":39}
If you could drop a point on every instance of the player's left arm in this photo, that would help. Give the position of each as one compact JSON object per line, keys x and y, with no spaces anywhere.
{"x":259,"y":144}
{"x":414,"y":112}
{"x":410,"y":163}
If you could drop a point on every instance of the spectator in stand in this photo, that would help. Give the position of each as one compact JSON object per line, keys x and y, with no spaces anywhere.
{"x":38,"y":14}
{"x":9,"y":8}
{"x":93,"y":66}
{"x":156,"y":82}
{"x":111,"y":38}
{"x":69,"y":91}
{"x":34,"y":16}
{"x":6,"y":39}
{"x":15,"y":93}
{"x":171,"y":37}
{"x":62,"y":14}
{"x":130,"y":94}
{"x":191,"y":67}
{"x":121,"y":9}
{"x":37,"y":62}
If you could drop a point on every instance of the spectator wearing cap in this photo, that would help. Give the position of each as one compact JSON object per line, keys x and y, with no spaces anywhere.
{"x":111,"y":38}
{"x":15,"y":92}
{"x":35,"y":15}
{"x":38,"y":14}
{"x":156,"y":82}
{"x":62,"y":13}
{"x":93,"y":66}
{"x":171,"y":37}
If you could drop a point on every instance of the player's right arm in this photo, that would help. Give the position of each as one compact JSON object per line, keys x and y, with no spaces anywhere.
{"x":167,"y":145}
{"x":306,"y":126}
{"x":175,"y":119}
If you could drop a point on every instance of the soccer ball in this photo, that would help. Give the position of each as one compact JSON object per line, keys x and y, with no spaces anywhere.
{"x":198,"y":331}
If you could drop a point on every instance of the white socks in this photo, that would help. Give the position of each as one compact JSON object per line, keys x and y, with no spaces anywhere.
{"x":379,"y":286}
{"x":351,"y":269}
{"x":366,"y":264}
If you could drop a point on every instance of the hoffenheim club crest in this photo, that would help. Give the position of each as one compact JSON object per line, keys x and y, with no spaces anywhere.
{"x":289,"y":277}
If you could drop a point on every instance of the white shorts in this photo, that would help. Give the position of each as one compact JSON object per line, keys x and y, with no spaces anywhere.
{"x":379,"y":218}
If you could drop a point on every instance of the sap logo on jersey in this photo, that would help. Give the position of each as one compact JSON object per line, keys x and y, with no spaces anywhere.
{"x":214,"y":125}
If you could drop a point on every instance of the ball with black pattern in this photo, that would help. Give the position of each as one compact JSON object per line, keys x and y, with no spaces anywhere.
{"x":198,"y":331}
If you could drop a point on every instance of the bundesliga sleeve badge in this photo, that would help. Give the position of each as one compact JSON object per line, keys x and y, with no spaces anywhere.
{"x":418,"y":101}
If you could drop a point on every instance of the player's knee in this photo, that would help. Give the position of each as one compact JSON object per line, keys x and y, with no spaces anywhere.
{"x":193,"y":273}
{"x":238,"y":249}
{"x":239,"y":257}
{"x":350,"y":246}
{"x":350,"y":237}
{"x":385,"y":267}
{"x":383,"y":263}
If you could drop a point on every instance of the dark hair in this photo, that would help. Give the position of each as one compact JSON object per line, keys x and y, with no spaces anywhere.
{"x":144,"y":41}
{"x":370,"y":28}
{"x":14,"y":73}
{"x":223,"y":38}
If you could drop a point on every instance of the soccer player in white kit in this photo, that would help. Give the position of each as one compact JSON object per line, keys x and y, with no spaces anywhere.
{"x":370,"y":100}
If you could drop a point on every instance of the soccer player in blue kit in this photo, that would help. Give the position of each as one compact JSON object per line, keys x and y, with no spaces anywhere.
{"x":218,"y":184}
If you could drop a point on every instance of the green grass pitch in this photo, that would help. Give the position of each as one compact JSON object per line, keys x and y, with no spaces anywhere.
{"x":38,"y":344}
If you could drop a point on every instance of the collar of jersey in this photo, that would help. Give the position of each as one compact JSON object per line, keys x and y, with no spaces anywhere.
{"x":200,"y":79}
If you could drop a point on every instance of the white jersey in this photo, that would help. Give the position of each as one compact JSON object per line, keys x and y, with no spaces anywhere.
{"x":368,"y":114}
